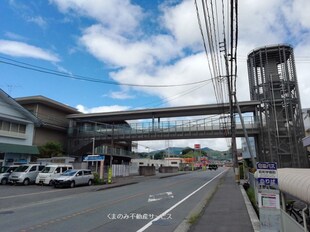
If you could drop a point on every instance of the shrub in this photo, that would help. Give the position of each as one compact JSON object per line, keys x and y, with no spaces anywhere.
{"x":97,"y":180}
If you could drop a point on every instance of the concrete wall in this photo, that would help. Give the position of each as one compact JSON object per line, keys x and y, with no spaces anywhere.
{"x":168,"y":169}
{"x":44,"y":135}
{"x":147,"y":170}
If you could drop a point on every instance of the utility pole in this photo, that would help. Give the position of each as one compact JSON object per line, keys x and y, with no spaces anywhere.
{"x":231,"y":74}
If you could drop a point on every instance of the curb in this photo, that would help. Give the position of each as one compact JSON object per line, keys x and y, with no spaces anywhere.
{"x":252,"y":214}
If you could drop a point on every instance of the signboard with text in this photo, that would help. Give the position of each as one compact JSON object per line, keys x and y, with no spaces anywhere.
{"x":267,"y":175}
{"x":94,"y":158}
{"x":197,"y":146}
{"x":268,"y":196}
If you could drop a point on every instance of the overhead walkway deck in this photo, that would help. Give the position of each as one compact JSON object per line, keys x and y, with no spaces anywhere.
{"x":158,"y":124}
{"x":105,"y":133}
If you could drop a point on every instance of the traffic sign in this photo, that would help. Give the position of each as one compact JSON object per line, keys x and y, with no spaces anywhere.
{"x":94,"y":158}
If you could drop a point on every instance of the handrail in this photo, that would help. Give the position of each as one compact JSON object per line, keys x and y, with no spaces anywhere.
{"x":177,"y":126}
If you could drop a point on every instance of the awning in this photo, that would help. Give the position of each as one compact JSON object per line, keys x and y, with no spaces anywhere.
{"x":15,"y":148}
{"x":296,"y":182}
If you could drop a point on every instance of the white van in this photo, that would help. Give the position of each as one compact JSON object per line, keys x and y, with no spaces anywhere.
{"x":26,"y":173}
{"x":50,"y":172}
{"x":5,"y":172}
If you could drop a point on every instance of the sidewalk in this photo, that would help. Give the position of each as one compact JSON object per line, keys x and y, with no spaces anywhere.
{"x":128,"y":180}
{"x":226,"y":210}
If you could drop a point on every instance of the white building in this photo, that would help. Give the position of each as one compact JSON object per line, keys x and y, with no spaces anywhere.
{"x":171,"y":162}
{"x":245,"y":150}
{"x":16,"y":132}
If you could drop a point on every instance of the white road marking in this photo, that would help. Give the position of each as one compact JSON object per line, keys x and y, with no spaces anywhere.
{"x":160,"y":196}
{"x":178,"y":203}
{"x":30,"y":194}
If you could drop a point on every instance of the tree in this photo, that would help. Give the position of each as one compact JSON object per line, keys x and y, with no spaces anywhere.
{"x":50,"y":149}
{"x":159,"y":155}
{"x":187,"y":150}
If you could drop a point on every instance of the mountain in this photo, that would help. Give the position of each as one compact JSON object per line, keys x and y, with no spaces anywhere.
{"x":177,"y":151}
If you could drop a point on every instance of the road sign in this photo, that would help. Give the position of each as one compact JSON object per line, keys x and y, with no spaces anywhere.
{"x":268,"y":196}
{"x":197,"y":146}
{"x":94,"y":158}
{"x":266,"y":165}
{"x":267,"y":174}
{"x":267,"y":181}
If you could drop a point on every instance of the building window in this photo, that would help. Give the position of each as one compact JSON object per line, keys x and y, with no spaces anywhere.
{"x":174,"y":162}
{"x":12,"y":127}
{"x":5,"y":126}
{"x":22,"y":129}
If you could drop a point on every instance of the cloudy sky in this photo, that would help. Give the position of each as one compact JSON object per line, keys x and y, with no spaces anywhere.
{"x":136,"y":42}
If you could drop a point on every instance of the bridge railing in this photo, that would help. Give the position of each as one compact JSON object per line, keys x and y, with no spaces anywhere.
{"x":165,"y":127}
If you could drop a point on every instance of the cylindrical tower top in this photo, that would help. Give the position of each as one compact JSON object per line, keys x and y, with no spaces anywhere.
{"x":278,"y":53}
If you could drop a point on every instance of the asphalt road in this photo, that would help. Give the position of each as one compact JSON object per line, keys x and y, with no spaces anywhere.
{"x":152,"y":205}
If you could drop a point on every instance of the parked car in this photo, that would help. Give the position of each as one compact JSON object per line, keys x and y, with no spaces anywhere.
{"x":213,"y":166}
{"x":25,"y":174}
{"x":50,"y":172}
{"x":5,"y":171}
{"x":74,"y":177}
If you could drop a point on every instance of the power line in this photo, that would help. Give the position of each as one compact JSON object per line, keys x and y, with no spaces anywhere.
{"x":35,"y":68}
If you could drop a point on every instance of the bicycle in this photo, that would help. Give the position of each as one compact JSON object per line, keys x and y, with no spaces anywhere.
{"x":296,"y":213}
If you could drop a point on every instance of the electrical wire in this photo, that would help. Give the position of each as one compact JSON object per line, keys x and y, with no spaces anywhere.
{"x":31,"y":67}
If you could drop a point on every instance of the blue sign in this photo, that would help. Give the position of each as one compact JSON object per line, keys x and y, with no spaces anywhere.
{"x":267,"y":181}
{"x":94,"y":158}
{"x":266,"y":165}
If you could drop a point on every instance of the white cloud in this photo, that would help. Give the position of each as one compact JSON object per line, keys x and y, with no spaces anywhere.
{"x":38,"y":20}
{"x":119,"y":15}
{"x":117,"y":50}
{"x":101,"y":109}
{"x":181,"y":21}
{"x":120,"y":95}
{"x":20,"y":49}
{"x":14,"y":36}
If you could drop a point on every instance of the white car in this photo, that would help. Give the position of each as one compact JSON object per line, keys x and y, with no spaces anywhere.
{"x":50,"y":172}
{"x":5,"y":172}
{"x":25,"y":174}
{"x":74,"y":177}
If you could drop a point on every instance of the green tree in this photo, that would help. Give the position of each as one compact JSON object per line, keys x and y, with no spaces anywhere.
{"x":50,"y":149}
{"x":187,"y":150}
{"x":159,"y":155}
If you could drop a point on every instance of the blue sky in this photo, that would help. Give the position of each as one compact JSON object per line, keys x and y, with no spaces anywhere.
{"x":140,"y":42}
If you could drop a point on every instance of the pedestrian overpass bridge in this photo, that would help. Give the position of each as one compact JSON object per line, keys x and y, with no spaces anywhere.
{"x":182,"y":129}
{"x":159,"y":124}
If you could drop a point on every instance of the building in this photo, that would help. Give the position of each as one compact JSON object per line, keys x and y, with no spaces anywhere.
{"x":245,"y":150}
{"x":53,"y":117}
{"x":167,"y":162}
{"x":273,"y":82}
{"x":17,"y":126}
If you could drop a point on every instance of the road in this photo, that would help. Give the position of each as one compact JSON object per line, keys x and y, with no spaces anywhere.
{"x":152,"y":205}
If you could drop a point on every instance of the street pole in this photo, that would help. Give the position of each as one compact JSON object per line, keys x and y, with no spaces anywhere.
{"x":93,"y":153}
